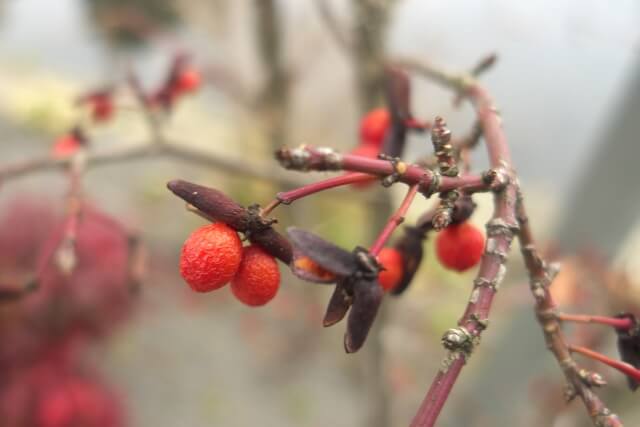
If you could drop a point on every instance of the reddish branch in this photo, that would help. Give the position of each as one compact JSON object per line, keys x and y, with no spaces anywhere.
{"x":509,"y":218}
{"x":305,"y":158}
{"x":623,"y":323}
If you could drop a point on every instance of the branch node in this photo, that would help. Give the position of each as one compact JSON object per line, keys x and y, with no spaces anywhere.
{"x":399,"y":168}
{"x":591,"y":379}
{"x":499,"y":227}
{"x":459,"y":340}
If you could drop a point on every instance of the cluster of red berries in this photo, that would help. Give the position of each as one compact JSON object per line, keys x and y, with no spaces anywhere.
{"x":45,"y":334}
{"x":213,"y":256}
{"x":55,"y":393}
{"x":182,"y":79}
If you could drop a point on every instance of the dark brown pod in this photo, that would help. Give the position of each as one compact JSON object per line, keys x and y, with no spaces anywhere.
{"x":274,"y":243}
{"x":326,"y":254}
{"x":366,"y":301}
{"x":211,"y":202}
{"x":338,"y":306}
{"x":397,"y":91}
{"x":220,"y":207}
{"x":410,"y":246}
{"x":629,"y":346}
{"x":463,"y":209}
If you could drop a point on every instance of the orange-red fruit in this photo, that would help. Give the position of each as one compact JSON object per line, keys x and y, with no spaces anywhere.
{"x":258,"y":277}
{"x":188,"y":80}
{"x":459,"y":247}
{"x":391,"y":260}
{"x":210,"y":257}
{"x":373,"y":127}
{"x":65,"y":146}
{"x":307,"y":264}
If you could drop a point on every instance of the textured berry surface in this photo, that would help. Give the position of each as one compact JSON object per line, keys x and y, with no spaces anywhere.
{"x":391,"y":260}
{"x":65,"y":146}
{"x":188,"y":80}
{"x":459,"y":247}
{"x":373,"y":127}
{"x":258,"y":277}
{"x":210,"y":257}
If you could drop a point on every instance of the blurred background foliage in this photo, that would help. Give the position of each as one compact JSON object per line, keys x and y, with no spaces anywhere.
{"x":277,"y":75}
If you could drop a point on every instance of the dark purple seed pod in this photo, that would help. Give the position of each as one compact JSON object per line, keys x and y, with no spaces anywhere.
{"x":220,"y":207}
{"x":629,"y":346}
{"x":325,"y":254}
{"x":274,"y":243}
{"x":212,"y":203}
{"x":463,"y":209}
{"x":397,"y":92}
{"x":410,"y":246}
{"x":338,"y":305}
{"x":367,"y":296}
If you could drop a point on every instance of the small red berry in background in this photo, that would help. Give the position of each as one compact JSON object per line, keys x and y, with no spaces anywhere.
{"x":391,"y":260}
{"x":373,"y":127}
{"x":210,"y":257}
{"x":188,"y":80}
{"x":258,"y":277}
{"x":65,"y":145}
{"x":459,"y":247}
{"x":101,"y":107}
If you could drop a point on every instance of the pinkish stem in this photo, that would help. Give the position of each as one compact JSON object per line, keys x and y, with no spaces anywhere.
{"x":625,"y":368}
{"x":624,"y":323}
{"x":288,"y":197}
{"x":396,"y":219}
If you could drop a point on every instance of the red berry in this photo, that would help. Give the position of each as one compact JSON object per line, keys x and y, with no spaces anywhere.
{"x":101,"y":108}
{"x":373,"y":127}
{"x":391,"y":260}
{"x":459,"y":247}
{"x":210,"y":257}
{"x":258,"y":277}
{"x":65,"y":146}
{"x":188,"y":80}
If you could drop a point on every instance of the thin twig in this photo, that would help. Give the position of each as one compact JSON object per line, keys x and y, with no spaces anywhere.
{"x":540,"y":276}
{"x":396,"y":219}
{"x":623,"y":323}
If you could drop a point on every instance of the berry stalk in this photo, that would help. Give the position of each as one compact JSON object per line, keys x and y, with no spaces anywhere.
{"x":622,"y":367}
{"x":288,"y":197}
{"x":624,"y":323}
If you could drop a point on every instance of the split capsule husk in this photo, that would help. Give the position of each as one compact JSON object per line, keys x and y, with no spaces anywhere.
{"x":355,"y":274}
{"x":220,"y":207}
